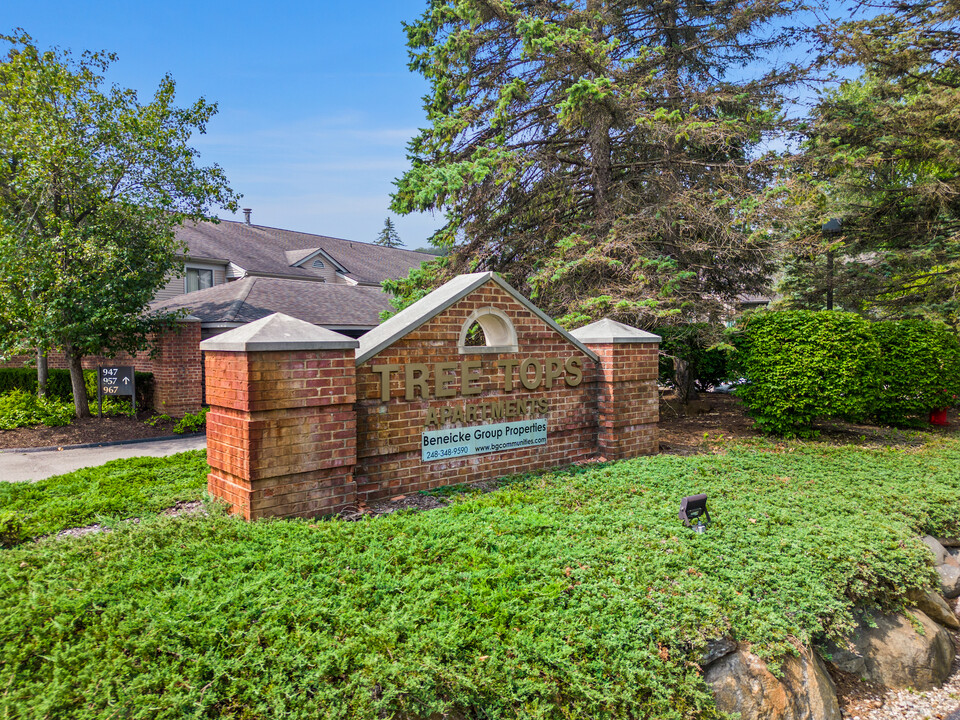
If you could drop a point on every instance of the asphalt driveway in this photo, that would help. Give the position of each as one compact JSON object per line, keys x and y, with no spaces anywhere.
{"x":25,"y":465}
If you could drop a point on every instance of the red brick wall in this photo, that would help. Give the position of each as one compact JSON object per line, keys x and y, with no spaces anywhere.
{"x":628,"y":404}
{"x":389,"y":434}
{"x":177,"y":368}
{"x":298,"y":433}
{"x":178,"y":371}
{"x":281,"y":432}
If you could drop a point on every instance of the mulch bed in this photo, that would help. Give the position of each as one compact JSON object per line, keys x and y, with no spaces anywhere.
{"x":718,"y":417}
{"x":688,"y":431}
{"x":87,"y":430}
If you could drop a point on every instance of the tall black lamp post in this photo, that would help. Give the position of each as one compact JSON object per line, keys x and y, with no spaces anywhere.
{"x":832,"y":227}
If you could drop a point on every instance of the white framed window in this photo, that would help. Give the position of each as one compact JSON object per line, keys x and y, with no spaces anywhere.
{"x":198,"y":279}
{"x":318,"y":263}
{"x":487,"y":330}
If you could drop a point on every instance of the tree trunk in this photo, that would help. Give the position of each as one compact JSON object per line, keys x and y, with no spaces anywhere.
{"x":829,"y":279}
{"x":598,"y":140}
{"x":42,"y":372}
{"x":601,"y":175}
{"x":683,"y":378}
{"x":79,"y":388}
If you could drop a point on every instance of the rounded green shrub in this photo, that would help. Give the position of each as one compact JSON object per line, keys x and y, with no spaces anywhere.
{"x":918,"y":370}
{"x":802,"y":365}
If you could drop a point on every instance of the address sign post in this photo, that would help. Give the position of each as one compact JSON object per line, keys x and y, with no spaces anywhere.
{"x":115,"y":381}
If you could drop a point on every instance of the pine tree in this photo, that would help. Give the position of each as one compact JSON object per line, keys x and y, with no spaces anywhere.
{"x":388,"y":237}
{"x":883,"y":154}
{"x":606,"y":157}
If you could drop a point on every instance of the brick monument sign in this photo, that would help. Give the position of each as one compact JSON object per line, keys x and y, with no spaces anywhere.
{"x":470,"y":383}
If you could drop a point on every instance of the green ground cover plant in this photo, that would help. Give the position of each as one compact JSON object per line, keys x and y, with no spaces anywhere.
{"x":157,"y":420}
{"x":118,"y":489}
{"x":192,"y":422}
{"x":572,"y":594}
{"x":21,"y":409}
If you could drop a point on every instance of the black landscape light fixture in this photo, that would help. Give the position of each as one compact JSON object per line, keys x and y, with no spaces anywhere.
{"x":831,"y":227}
{"x":694,"y":507}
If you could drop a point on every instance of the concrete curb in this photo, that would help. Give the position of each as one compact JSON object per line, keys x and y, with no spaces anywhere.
{"x":113,"y":443}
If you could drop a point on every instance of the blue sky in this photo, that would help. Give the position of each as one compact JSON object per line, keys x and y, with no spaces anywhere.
{"x":316,"y":101}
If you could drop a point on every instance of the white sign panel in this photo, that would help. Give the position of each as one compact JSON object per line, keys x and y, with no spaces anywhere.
{"x":446,"y":444}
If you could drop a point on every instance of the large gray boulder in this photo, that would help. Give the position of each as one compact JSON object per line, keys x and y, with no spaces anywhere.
{"x":935,"y":607}
{"x":844,"y":657}
{"x":716,"y":649}
{"x":742,"y":683}
{"x":938,"y":550}
{"x":894,"y":654}
{"x":949,"y":580}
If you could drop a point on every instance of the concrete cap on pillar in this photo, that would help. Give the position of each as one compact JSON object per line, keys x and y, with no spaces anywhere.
{"x":606,"y":331}
{"x":279,"y":332}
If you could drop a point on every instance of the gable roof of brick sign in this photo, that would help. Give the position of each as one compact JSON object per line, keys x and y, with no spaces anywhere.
{"x":415,"y":315}
{"x":253,"y":298}
{"x":271,"y":251}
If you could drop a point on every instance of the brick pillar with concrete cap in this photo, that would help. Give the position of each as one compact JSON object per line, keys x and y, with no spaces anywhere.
{"x":627,"y":398}
{"x":281,"y":431}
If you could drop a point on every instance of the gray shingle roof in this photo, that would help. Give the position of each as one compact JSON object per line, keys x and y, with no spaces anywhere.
{"x":253,"y":298}
{"x":264,"y":250}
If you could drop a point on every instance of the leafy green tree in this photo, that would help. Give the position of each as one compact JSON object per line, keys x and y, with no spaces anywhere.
{"x":692,"y":359}
{"x":606,"y":157}
{"x":93,"y":183}
{"x":883,"y":154}
{"x":388,"y":236}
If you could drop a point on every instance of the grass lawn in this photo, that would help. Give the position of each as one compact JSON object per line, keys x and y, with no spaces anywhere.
{"x":118,"y":489}
{"x":564,"y":595}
